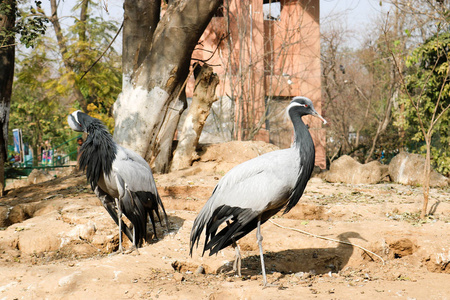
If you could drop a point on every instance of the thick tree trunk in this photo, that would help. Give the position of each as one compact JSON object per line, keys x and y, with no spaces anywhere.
{"x":153,"y":92}
{"x":202,"y":100}
{"x":7,"y":53}
{"x":140,"y":19}
{"x":163,"y":150}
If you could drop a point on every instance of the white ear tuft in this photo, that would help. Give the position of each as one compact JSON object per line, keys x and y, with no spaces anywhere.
{"x":75,"y":115}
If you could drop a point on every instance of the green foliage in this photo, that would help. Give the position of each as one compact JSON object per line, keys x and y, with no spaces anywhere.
{"x":103,"y":83}
{"x":30,"y":23}
{"x":6,"y":34}
{"x":428,"y":83}
{"x":39,"y":116}
{"x":43,"y":87}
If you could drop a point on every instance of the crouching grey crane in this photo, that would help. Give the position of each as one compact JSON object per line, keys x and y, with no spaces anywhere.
{"x":120,"y":178}
{"x":252,"y":192}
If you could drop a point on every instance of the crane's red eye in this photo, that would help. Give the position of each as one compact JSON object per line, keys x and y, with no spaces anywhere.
{"x":306,"y":105}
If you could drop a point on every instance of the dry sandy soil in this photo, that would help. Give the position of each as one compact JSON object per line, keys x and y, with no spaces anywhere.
{"x":55,"y":241}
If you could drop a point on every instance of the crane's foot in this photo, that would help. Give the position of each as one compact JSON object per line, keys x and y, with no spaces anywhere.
{"x":133,"y":249}
{"x":267,"y":285}
{"x":119,"y":251}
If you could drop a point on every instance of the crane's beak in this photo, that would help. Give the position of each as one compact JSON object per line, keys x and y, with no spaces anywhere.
{"x":316,"y":114}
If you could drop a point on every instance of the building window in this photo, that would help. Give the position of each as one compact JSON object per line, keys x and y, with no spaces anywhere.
{"x":272,"y":10}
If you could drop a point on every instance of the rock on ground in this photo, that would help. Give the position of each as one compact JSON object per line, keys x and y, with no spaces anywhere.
{"x":347,"y":170}
{"x":224,"y":156}
{"x":408,"y":168}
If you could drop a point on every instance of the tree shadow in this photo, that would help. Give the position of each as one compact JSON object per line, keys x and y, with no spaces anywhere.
{"x":312,"y":260}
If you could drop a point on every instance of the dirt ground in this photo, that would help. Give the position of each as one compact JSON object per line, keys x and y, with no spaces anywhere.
{"x":55,"y":241}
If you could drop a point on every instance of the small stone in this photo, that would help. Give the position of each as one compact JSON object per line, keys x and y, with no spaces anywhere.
{"x":200,"y":270}
{"x":302,"y":275}
{"x":277,"y":275}
{"x":178,"y":276}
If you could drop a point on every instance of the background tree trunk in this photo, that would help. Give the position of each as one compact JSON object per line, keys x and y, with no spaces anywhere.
{"x":204,"y":96}
{"x":152,"y":99}
{"x":54,"y":19}
{"x":7,"y":53}
{"x":426,"y":179}
{"x":382,"y":125}
{"x":138,"y":29}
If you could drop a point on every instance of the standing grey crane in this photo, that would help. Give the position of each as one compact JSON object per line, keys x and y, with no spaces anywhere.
{"x":252,"y":192}
{"x":120,"y":178}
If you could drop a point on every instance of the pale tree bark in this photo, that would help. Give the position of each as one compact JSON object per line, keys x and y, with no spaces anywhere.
{"x":148,"y":109}
{"x":7,"y":54}
{"x":204,"y":96}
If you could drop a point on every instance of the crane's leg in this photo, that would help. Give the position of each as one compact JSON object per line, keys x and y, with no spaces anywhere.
{"x":263,"y":268}
{"x":134,"y":247}
{"x":119,"y":215}
{"x":259,"y":238}
{"x":237,"y":258}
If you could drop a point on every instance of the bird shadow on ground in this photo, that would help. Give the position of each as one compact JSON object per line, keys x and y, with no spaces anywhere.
{"x":175,"y":224}
{"x":311,"y":260}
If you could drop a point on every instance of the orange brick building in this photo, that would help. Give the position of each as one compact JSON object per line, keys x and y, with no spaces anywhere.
{"x":267,"y":53}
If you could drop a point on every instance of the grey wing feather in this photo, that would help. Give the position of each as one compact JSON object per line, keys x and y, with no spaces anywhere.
{"x":134,"y":170}
{"x":245,"y":192}
{"x":141,"y":192}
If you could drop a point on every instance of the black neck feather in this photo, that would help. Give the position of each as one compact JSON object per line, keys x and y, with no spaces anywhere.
{"x":98,"y":152}
{"x":304,"y":145}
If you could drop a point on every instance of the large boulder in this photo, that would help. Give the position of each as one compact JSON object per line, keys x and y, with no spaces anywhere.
{"x":347,"y":170}
{"x":408,"y":168}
